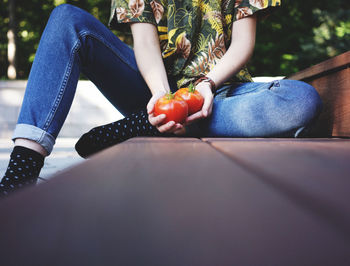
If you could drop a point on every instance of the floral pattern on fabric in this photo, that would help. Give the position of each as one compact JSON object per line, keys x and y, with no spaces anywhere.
{"x":194,"y":34}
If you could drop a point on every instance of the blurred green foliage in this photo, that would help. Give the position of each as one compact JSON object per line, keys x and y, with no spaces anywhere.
{"x":31,"y":17}
{"x":297,"y":35}
{"x":300,"y":34}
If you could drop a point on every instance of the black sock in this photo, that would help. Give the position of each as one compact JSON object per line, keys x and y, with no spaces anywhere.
{"x":23,"y":169}
{"x":107,"y":135}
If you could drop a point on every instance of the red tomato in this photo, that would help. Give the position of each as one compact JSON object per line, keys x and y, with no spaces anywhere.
{"x":174,"y":107}
{"x":192,"y":97}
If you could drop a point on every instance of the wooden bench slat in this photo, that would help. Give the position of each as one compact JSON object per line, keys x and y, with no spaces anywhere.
{"x":313,"y":172}
{"x":162,"y":203}
{"x":333,"y":64}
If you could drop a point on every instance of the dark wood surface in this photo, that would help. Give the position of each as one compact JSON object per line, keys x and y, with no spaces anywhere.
{"x":174,"y":201}
{"x":331,"y":79}
{"x":315,"y":174}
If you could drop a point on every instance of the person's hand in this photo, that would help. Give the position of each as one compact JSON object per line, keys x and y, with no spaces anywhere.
{"x":204,"y":89}
{"x":170,"y":127}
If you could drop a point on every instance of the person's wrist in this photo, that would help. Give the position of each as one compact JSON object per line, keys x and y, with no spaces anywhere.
{"x":160,"y":92}
{"x":204,"y":88}
{"x":209,"y":81}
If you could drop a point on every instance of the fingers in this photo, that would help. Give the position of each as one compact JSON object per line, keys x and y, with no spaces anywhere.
{"x":208,"y":102}
{"x":210,"y":109}
{"x":153,"y":100}
{"x":156,"y":120}
{"x":205,"y":112}
{"x":150,"y":105}
{"x":180,"y":131}
{"x":169,"y":127}
{"x":205,"y":91}
{"x":192,"y":118}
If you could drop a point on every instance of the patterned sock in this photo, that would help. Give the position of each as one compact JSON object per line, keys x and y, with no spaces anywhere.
{"x":23,"y":169}
{"x":107,"y":135}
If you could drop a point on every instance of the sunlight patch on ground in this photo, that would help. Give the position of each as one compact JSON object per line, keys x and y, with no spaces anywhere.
{"x":11,"y":97}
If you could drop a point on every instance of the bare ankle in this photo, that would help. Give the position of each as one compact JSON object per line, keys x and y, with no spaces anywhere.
{"x":31,"y":144}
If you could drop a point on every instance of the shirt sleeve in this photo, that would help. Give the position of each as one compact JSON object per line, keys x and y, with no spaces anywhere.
{"x":126,"y":11}
{"x":245,"y":8}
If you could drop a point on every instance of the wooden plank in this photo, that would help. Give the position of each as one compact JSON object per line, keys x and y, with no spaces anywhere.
{"x":338,"y":62}
{"x":315,"y":173}
{"x":163,"y":203}
{"x":334,"y":90}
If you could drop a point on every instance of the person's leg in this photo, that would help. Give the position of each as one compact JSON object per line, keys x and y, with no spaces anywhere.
{"x":272,"y":109}
{"x":73,"y":41}
{"x":102,"y":137}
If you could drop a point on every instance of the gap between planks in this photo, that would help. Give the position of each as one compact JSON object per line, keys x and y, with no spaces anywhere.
{"x":325,"y":208}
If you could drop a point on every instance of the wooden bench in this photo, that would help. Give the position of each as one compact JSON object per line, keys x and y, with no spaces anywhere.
{"x":175,"y":201}
{"x":331,"y":78}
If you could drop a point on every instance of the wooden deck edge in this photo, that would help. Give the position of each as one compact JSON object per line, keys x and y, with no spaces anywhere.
{"x":334,"y":64}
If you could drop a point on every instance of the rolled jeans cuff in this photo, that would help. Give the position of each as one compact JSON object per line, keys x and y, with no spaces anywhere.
{"x":36,"y":134}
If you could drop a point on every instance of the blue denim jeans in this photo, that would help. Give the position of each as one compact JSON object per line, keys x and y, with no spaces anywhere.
{"x":281,"y":108}
{"x":74,"y":42}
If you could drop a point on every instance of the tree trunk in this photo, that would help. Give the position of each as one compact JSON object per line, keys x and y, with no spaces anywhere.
{"x":11,"y":35}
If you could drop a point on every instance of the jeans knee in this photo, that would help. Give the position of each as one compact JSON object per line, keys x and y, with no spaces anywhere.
{"x":64,"y":16}
{"x":307,"y":102}
{"x":63,"y":11}
{"x":310,"y":97}
{"x":314,"y":99}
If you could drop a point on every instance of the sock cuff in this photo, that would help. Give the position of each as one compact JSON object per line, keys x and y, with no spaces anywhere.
{"x":20,"y":150}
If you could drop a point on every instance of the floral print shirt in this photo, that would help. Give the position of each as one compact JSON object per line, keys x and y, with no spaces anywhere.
{"x":194,"y":34}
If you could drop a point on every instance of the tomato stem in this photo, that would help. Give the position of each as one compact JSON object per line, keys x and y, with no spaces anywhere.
{"x":191,"y":87}
{"x":170,"y":96}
